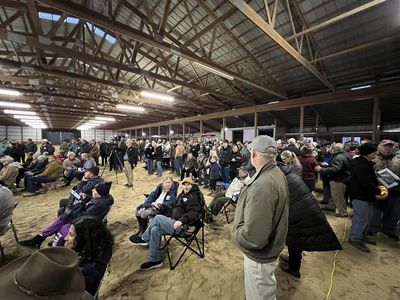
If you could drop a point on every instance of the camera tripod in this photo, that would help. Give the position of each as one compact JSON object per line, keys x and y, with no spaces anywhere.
{"x":113,"y":154}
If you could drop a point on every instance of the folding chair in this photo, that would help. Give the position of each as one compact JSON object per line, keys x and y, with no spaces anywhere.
{"x":53,"y":184}
{"x":4,"y":230}
{"x":186,"y":239}
{"x":232,"y":202}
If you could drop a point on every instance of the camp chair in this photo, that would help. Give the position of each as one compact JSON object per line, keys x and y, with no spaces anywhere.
{"x":231,"y":202}
{"x":53,"y":184}
{"x":187,"y":237}
{"x":5,"y":229}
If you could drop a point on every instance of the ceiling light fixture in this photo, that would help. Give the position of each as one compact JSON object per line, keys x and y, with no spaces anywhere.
{"x":14,"y":105}
{"x":130,"y":107}
{"x":156,"y":96}
{"x":8,"y":92}
{"x":273,"y":102}
{"x":214,"y":71}
{"x":360,"y":87}
{"x":98,"y":122}
{"x":115,"y":114}
{"x":105,"y":119}
{"x":19,"y":112}
{"x":26,"y":117}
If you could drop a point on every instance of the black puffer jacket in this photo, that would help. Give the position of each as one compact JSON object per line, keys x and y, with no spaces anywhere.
{"x":308,"y":228}
{"x":188,"y":206}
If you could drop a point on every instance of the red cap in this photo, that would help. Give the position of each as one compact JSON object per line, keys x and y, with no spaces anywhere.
{"x":386,"y":142}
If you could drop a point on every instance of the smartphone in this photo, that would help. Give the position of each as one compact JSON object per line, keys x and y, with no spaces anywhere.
{"x":76,"y":195}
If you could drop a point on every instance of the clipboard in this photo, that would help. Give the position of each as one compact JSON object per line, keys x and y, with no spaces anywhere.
{"x":388,"y":178}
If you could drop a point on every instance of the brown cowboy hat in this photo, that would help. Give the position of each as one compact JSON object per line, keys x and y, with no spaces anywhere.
{"x":50,"y":273}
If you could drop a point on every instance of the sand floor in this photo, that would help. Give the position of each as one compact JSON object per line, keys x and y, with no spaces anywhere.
{"x":219,"y":275}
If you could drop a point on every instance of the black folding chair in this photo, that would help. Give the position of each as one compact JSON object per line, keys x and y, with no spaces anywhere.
{"x":230,"y":202}
{"x":187,"y":237}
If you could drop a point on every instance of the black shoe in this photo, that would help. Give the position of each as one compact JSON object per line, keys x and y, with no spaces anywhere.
{"x":360,"y":246}
{"x":35,"y":242}
{"x":284,"y":257}
{"x":137,"y":240}
{"x":151,"y":265}
{"x":391,"y":235}
{"x":126,"y":184}
{"x":285,"y":267}
{"x":368,"y":240}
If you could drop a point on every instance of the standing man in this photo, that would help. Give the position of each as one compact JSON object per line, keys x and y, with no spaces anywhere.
{"x":130,"y":159}
{"x":95,"y":151}
{"x":261,"y":220}
{"x":225,"y":156}
{"x":385,"y":214}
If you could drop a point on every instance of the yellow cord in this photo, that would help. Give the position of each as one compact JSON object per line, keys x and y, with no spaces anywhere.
{"x":335,"y":260}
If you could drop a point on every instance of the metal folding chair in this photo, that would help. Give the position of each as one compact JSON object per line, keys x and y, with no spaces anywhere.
{"x":230,"y":202}
{"x":6,"y":229}
{"x":187,"y":238}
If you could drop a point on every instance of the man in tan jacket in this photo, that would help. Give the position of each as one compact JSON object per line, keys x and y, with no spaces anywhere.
{"x":261,"y":220}
{"x":51,"y":173}
{"x":9,"y":172}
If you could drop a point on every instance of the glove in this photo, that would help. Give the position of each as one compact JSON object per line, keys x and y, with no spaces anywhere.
{"x":384,"y":193}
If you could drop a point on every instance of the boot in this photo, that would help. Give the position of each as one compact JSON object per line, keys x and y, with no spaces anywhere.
{"x":142,"y":226}
{"x":35,"y":242}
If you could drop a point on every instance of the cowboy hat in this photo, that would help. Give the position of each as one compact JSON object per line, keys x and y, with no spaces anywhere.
{"x":50,"y":273}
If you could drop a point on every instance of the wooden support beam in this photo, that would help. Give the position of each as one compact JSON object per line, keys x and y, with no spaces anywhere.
{"x":183,"y":131}
{"x":118,"y":28}
{"x":255,"y":124}
{"x":274,"y":35}
{"x":376,"y":121}
{"x":301,"y":125}
{"x":201,"y":127}
{"x":331,"y":97}
{"x":223,"y":127}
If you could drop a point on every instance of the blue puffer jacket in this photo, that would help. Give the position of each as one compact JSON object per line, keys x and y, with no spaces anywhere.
{"x":169,"y":200}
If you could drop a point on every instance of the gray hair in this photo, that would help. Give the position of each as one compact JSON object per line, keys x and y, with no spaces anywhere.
{"x":41,"y":158}
{"x":7,"y":159}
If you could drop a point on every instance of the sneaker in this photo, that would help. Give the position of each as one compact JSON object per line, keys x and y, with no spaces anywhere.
{"x":391,"y":235}
{"x":360,"y":246}
{"x":151,"y":265}
{"x":341,"y":215}
{"x":368,"y":240}
{"x":137,"y":240}
{"x":285,"y":267}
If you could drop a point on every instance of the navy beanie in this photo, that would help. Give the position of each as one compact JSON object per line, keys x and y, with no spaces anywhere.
{"x":103,"y":188}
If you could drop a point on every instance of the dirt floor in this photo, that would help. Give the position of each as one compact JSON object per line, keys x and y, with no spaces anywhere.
{"x":219,"y":275}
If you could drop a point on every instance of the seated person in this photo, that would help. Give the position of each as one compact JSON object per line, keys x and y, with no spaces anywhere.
{"x":87,"y":162}
{"x":61,"y":156}
{"x":160,"y":201}
{"x":93,"y":243}
{"x":51,"y":172}
{"x":70,"y":163}
{"x":56,"y":275}
{"x":83,"y":189}
{"x":29,"y":159}
{"x":98,"y":206}
{"x":9,"y":172}
{"x":233,"y":191}
{"x":7,"y":204}
{"x":189,"y":166}
{"x":36,"y":167}
{"x":187,"y":209}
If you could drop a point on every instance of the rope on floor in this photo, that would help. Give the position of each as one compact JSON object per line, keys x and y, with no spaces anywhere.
{"x":335,"y":260}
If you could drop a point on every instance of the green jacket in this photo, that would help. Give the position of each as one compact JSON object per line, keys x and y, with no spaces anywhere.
{"x":261,"y":217}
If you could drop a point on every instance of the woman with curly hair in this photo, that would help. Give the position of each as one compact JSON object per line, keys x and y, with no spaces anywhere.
{"x":93,"y":243}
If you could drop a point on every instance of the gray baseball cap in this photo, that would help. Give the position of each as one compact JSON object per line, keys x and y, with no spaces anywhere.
{"x":263,"y":144}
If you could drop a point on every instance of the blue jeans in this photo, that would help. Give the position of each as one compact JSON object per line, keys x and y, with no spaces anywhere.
{"x":179,"y":164}
{"x":34,"y":183}
{"x":159,"y":226}
{"x":225,"y":173}
{"x":159,"y":168}
{"x":310,"y":183}
{"x":384,"y":215}
{"x":149,"y":164}
{"x":359,"y":225}
{"x":327,"y":191}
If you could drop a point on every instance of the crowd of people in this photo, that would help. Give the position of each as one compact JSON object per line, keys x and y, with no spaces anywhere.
{"x":272,"y":183}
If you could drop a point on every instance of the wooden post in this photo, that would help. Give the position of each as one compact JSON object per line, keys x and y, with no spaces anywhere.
{"x":201,"y":127}
{"x":135,"y":133}
{"x":255,"y":124}
{"x":376,"y":121}
{"x":169,"y":132}
{"x":223,"y":127}
{"x":316,"y":128}
{"x":301,"y":125}
{"x":149,"y":132}
{"x":159,"y":130}
{"x":183,"y":131}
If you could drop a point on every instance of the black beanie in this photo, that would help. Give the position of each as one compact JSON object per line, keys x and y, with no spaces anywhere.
{"x":367,"y":148}
{"x":103,"y":188}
